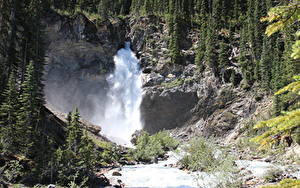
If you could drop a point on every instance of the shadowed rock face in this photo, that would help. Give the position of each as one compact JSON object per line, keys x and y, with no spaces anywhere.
{"x":167,"y":109}
{"x":79,"y":57}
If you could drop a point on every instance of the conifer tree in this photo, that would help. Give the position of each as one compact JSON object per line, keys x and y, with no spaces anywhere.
{"x":29,"y":112}
{"x":200,"y":53}
{"x":74,"y":132}
{"x":246,"y":66}
{"x":10,"y":133}
{"x":265,"y":66}
{"x":223,"y":57}
{"x":210,"y":55}
{"x":174,"y":43}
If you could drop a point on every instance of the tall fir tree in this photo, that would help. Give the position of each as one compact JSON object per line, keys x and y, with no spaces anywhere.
{"x":210,"y":54}
{"x":10,"y":132}
{"x":223,"y":60}
{"x":265,"y":65}
{"x":29,"y":113}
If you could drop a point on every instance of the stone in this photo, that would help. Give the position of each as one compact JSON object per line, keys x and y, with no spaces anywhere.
{"x":135,"y":136}
{"x":116,"y":173}
{"x":152,"y":79}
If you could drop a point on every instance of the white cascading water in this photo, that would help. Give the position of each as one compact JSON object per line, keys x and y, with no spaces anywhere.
{"x":122,"y":113}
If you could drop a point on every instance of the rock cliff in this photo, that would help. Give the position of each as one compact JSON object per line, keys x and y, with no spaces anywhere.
{"x":80,"y":56}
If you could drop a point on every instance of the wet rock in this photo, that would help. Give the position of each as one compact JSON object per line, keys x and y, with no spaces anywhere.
{"x":116,"y":173}
{"x":135,"y":136}
{"x":100,"y":180}
{"x":147,"y":70}
{"x":152,"y":79}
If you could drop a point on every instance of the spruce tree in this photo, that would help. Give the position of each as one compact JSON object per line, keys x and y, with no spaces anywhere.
{"x":265,"y":66}
{"x":223,"y":56}
{"x":30,"y":108}
{"x":200,"y":53}
{"x":174,"y":43}
{"x":243,"y":61}
{"x":210,"y":54}
{"x":10,"y":133}
{"x":74,"y":132}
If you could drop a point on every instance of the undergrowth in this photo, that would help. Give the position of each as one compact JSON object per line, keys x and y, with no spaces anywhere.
{"x":204,"y":156}
{"x":150,"y":147}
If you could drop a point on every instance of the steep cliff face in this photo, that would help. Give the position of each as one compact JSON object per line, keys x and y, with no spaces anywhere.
{"x":80,"y":56}
{"x":182,"y":96}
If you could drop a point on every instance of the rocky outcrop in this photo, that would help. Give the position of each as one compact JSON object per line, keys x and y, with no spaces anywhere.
{"x":182,"y":96}
{"x":167,"y":108}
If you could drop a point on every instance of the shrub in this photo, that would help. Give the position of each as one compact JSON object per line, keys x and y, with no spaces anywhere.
{"x":205,"y":156}
{"x":200,"y":156}
{"x":174,"y":83}
{"x":149,"y":147}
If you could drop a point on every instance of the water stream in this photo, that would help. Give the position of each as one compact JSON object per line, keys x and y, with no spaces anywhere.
{"x":157,"y":175}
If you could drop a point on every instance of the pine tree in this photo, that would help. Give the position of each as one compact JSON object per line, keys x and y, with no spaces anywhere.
{"x":246,"y":66}
{"x":265,"y":66}
{"x":30,"y":108}
{"x":200,"y":53}
{"x":283,"y":125}
{"x":174,"y":43}
{"x":10,"y":137}
{"x":87,"y":151}
{"x":74,"y":132}
{"x":223,"y":56}
{"x":210,"y":54}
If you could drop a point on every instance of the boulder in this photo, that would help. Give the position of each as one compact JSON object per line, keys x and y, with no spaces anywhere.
{"x":116,"y":173}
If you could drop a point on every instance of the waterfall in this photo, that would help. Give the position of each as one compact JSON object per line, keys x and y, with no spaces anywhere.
{"x":122,"y":112}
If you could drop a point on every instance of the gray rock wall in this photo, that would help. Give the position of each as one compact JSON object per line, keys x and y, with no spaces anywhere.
{"x":79,"y":57}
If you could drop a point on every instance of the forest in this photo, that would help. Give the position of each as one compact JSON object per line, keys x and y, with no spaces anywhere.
{"x":265,"y":31}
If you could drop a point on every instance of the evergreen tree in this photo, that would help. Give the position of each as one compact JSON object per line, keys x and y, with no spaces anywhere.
{"x":29,"y":112}
{"x":74,"y":132}
{"x":200,"y":53}
{"x":10,"y":133}
{"x":246,"y":66}
{"x":210,"y":54}
{"x":174,"y":43}
{"x":223,"y":56}
{"x":265,"y":66}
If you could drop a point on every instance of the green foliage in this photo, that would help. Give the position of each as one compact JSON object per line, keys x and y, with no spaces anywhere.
{"x":29,"y":112}
{"x":13,"y":171}
{"x":8,"y":115}
{"x":174,"y":83}
{"x":202,"y":155}
{"x":284,"y":16}
{"x":286,"y":183}
{"x":223,"y":56}
{"x":148,"y":148}
{"x":283,"y":125}
{"x":76,"y":160}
